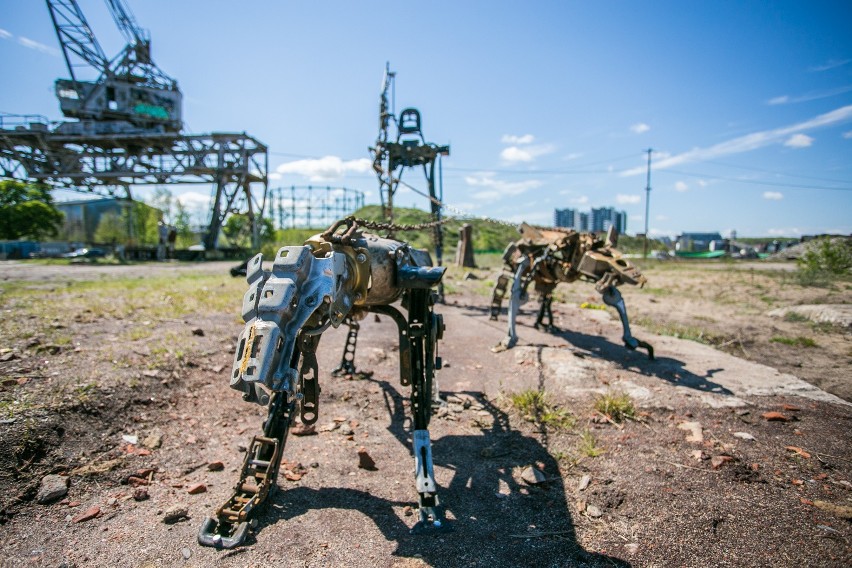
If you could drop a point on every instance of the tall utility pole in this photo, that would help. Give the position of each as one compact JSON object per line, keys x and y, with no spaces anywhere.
{"x":647,"y":206}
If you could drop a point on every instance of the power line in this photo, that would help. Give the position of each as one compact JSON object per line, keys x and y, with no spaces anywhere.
{"x":756,"y":182}
{"x":762,"y":170}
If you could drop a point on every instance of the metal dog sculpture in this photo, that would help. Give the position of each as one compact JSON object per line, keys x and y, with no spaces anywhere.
{"x":550,"y":256}
{"x":333,"y":277}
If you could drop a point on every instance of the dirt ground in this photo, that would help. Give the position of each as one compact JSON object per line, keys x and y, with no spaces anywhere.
{"x":115,"y":379}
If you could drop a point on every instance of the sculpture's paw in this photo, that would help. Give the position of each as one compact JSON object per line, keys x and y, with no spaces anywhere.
{"x":504,"y":345}
{"x":633,"y":344}
{"x":434,"y":526}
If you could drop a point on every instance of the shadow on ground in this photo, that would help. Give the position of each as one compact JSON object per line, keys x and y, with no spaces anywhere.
{"x":498,"y":520}
{"x":667,"y":368}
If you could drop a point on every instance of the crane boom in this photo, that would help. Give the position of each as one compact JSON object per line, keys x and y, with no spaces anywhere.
{"x":131,"y":94}
{"x":127,"y":23}
{"x":76,"y":37}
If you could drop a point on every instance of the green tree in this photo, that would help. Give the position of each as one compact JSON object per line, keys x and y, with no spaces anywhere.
{"x":111,"y":229}
{"x":237,"y":230}
{"x":164,"y":201}
{"x":142,"y":220}
{"x":185,"y":237}
{"x":27,"y":211}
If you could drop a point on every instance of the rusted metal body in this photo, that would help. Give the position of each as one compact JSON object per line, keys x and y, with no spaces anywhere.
{"x":547,"y":257}
{"x":336,"y":277}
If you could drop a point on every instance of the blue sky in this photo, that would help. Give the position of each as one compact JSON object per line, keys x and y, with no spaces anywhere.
{"x":747,"y":105}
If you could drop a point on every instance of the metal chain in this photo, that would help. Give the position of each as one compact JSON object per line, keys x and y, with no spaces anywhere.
{"x":377,"y":226}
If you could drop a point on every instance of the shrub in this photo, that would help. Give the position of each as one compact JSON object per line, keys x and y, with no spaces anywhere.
{"x":825,"y":260}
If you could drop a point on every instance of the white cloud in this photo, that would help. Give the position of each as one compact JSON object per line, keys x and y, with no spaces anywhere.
{"x":640,"y":127}
{"x":325,"y":168}
{"x":582,"y":200}
{"x":275,"y":176}
{"x":513,"y":139}
{"x":809,"y":96}
{"x":784,"y":232}
{"x":830,"y":64}
{"x":196,"y":204}
{"x":748,"y":142}
{"x":494,"y":188}
{"x":32,"y":44}
{"x":681,"y":186}
{"x":661,"y":218}
{"x":534,"y":218}
{"x":623,"y":199}
{"x":573,"y":156}
{"x":799,"y":141}
{"x":525,"y":153}
{"x":847,"y":134}
{"x":5,"y":34}
{"x":773,"y":195}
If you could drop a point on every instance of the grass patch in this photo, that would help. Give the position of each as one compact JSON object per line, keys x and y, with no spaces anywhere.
{"x":137,"y":333}
{"x":657,"y":291}
{"x":589,"y":445}
{"x":799,"y":341}
{"x":591,"y":306}
{"x":535,"y":406}
{"x":691,"y":332}
{"x":795,"y":317}
{"x":618,"y":406}
{"x":136,"y":299}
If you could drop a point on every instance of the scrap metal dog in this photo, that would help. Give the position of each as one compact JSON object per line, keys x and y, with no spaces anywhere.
{"x":551,"y":256}
{"x":338,"y":275}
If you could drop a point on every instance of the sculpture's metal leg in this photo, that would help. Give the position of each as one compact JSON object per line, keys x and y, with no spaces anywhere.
{"x":229,"y":528}
{"x":425,"y":328}
{"x":498,"y":294}
{"x":549,"y":310}
{"x":514,"y":305}
{"x":545,"y":311}
{"x":347,"y":360}
{"x":612,"y":297}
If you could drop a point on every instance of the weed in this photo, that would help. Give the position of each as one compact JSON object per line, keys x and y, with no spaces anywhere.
{"x":137,"y":333}
{"x":535,"y":406}
{"x":591,"y":306}
{"x":799,"y":341}
{"x":795,"y":317}
{"x":588,"y":445}
{"x":82,"y":392}
{"x":618,"y":406}
{"x":658,"y":291}
{"x":691,"y":332}
{"x":566,"y":459}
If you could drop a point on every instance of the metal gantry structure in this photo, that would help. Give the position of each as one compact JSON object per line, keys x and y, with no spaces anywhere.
{"x":311,"y":206}
{"x":128,"y":129}
{"x":400,"y":145}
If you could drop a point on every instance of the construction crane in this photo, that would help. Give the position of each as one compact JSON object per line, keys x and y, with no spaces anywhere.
{"x":130,"y":95}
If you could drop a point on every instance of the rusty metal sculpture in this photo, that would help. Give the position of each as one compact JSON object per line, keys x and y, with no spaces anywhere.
{"x":550,"y":256}
{"x":339,"y":275}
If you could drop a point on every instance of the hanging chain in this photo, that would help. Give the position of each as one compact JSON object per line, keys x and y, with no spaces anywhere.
{"x":378,"y":226}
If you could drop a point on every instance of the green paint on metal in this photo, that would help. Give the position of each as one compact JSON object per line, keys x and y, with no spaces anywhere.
{"x":151,"y":110}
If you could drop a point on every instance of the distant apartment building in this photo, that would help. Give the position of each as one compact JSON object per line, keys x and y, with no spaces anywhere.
{"x":564,"y":217}
{"x":598,"y":220}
